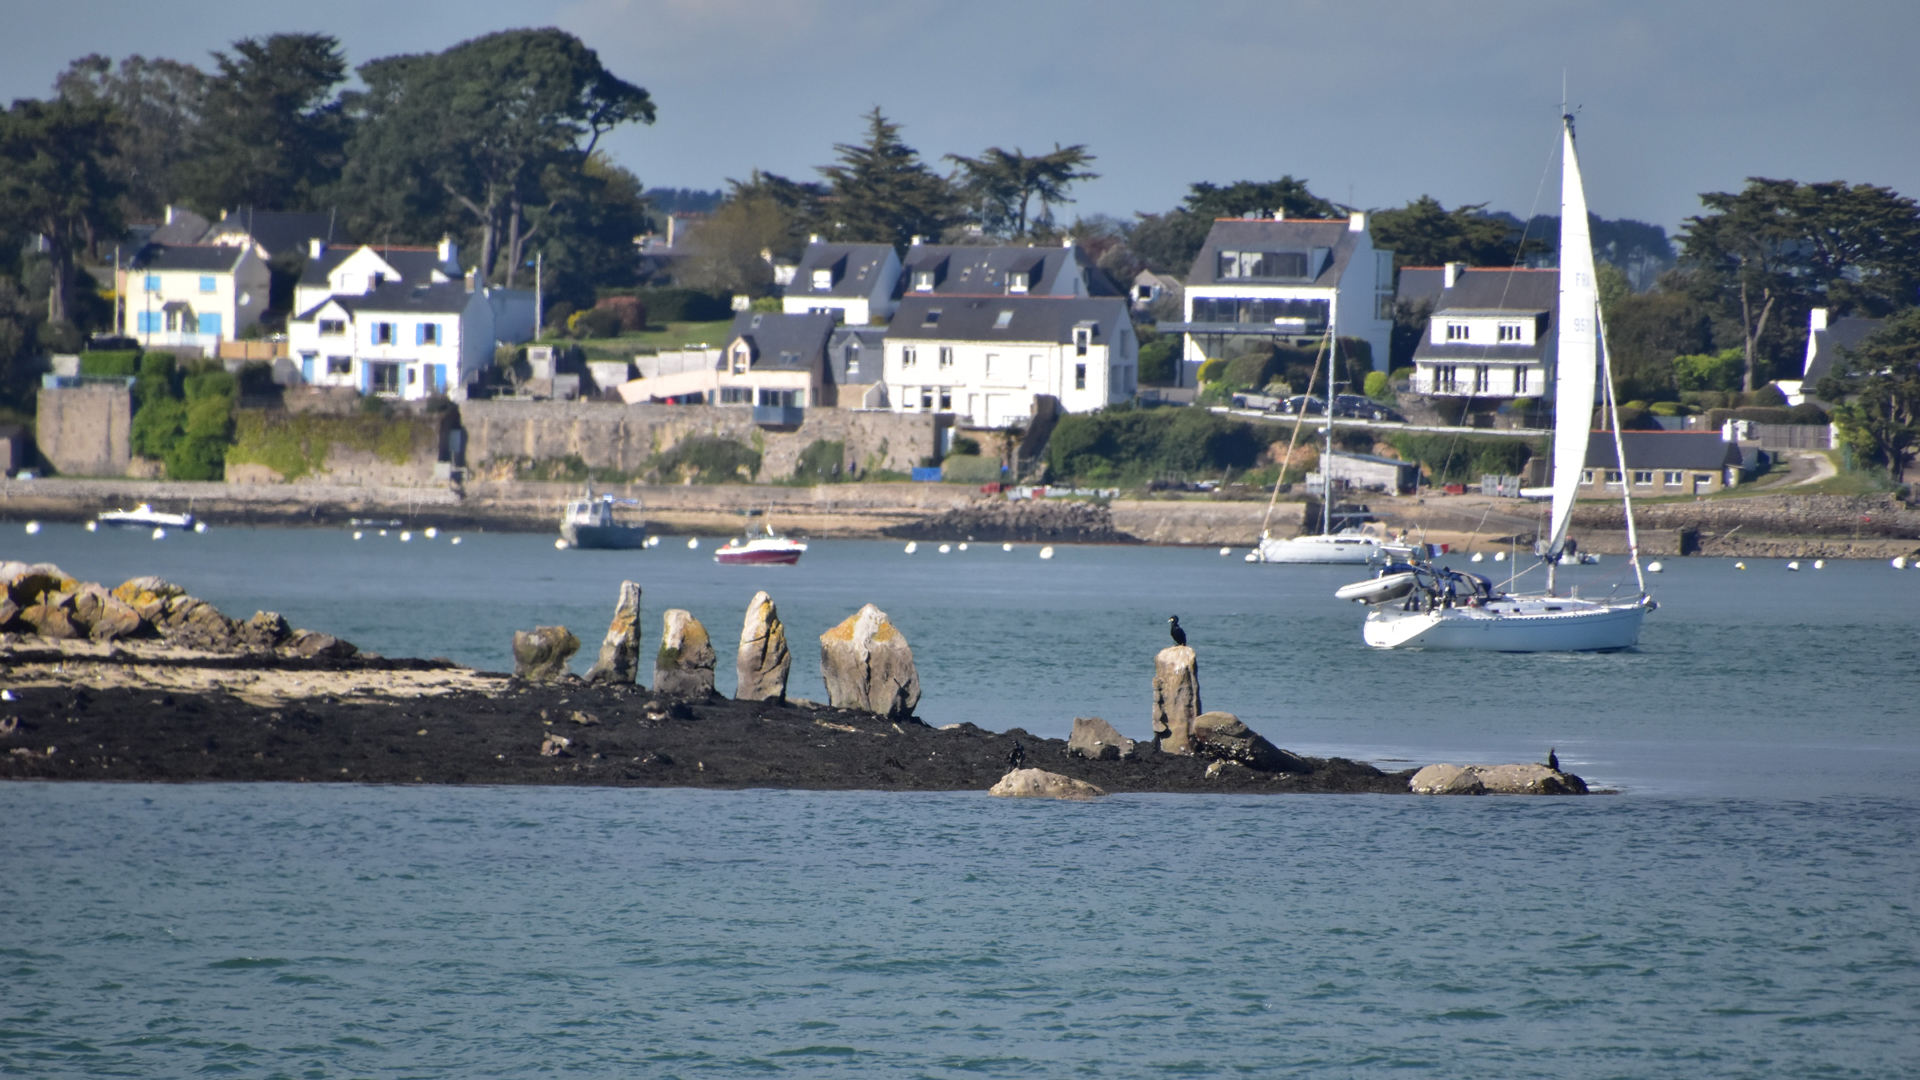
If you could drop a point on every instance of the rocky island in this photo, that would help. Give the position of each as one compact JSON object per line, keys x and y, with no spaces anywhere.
{"x":144,"y":682}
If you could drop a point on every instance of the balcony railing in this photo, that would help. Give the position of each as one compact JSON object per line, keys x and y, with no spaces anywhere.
{"x":779,"y":415}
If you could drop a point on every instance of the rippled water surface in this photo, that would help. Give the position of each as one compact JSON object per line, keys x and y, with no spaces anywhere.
{"x":282,"y":931}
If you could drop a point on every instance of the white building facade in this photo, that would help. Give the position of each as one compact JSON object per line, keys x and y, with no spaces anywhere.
{"x":396,"y":341}
{"x":1491,"y":335}
{"x":985,"y":359}
{"x":194,"y":296}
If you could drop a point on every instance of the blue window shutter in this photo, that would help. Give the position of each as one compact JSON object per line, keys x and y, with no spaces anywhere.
{"x":419,"y":333}
{"x":209,"y":324}
{"x":440,"y":378}
{"x":306,"y":367}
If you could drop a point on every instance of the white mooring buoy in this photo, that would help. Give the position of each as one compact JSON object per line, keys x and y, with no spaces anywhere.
{"x":1899,"y":562}
{"x":1655,"y":567}
{"x":945,"y":548}
{"x":33,"y":528}
{"x":1499,"y":556}
{"x":1819,"y":564}
{"x":1047,"y":552}
{"x":1739,"y":566}
{"x":432,"y":532}
{"x":693,"y":542}
{"x":455,"y":540}
{"x":1006,"y":547}
{"x":357,"y":534}
{"x":92,"y":526}
{"x":912,"y":546}
{"x":406,"y":537}
{"x":560,"y":543}
{"x":1477,"y":557}
{"x":1226,"y":551}
{"x":1794,"y":566}
{"x":199,"y":526}
{"x":159,"y":533}
{"x":963,"y":547}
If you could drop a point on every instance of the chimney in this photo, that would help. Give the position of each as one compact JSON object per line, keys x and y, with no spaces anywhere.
{"x":1068,"y":243}
{"x":1451,"y":273}
{"x":916,"y":240}
{"x":1357,"y":222}
{"x":1816,"y":319}
{"x":813,"y":238}
{"x":1280,"y":214}
{"x":316,"y":247}
{"x":473,"y":276}
{"x":170,"y":213}
{"x":449,"y":251}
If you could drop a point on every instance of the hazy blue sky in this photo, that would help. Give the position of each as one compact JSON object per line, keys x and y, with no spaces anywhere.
{"x":1374,"y":101}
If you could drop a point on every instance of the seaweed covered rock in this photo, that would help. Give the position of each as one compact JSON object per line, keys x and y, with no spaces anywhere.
{"x":867,"y":664}
{"x":764,"y":660}
{"x":541,"y":654}
{"x":1039,"y":521}
{"x":1528,"y":779}
{"x":1222,"y":737}
{"x":619,"y":660}
{"x":317,"y":646}
{"x":684,"y":664}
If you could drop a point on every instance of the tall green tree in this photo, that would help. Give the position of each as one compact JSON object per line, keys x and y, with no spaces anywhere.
{"x":56,"y":190}
{"x":1000,"y":186}
{"x":1425,"y":233}
{"x":159,"y":103}
{"x":881,"y":192}
{"x":586,"y":232}
{"x":480,"y":132}
{"x":1765,"y":254}
{"x":272,"y":134}
{"x":1169,"y":242}
{"x":1877,"y":386}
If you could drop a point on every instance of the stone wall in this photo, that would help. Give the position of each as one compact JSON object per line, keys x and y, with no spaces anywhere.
{"x":624,"y":438}
{"x":86,"y":430}
{"x":1767,"y":515}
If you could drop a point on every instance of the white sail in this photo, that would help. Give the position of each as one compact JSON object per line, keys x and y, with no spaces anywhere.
{"x":1575,"y":367}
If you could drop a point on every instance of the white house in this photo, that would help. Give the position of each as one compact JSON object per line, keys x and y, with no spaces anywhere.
{"x":408,"y":341}
{"x":853,"y":282}
{"x":963,"y":270}
{"x":351,"y":271}
{"x":1286,"y":281}
{"x":985,"y":358}
{"x":1491,"y":335}
{"x":194,"y":296}
{"x":1825,"y":341}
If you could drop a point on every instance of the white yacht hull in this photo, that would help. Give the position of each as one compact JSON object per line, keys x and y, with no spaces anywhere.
{"x":1337,"y":549}
{"x":1532,"y":624}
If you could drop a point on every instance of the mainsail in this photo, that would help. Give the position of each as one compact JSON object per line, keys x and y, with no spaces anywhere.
{"x":1578,"y":334}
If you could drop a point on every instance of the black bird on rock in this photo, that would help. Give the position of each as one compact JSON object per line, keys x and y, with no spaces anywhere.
{"x":1017,"y":757}
{"x":1173,"y":627}
{"x":1553,"y":760}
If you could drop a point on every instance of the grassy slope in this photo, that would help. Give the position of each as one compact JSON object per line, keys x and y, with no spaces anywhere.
{"x":671,"y":336}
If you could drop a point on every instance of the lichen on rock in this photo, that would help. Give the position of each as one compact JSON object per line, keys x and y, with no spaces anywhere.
{"x":684,"y":664}
{"x":867,"y":664}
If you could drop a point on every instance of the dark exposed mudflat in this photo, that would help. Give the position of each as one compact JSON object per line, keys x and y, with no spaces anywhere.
{"x":638,"y":739}
{"x":1030,"y":521}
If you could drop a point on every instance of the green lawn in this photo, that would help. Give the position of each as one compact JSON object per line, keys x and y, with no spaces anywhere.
{"x":671,"y":336}
{"x":1871,"y":481}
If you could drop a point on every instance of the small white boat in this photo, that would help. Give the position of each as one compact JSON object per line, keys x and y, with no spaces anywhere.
{"x":589,"y":523}
{"x":768,"y":548}
{"x":144,"y":516}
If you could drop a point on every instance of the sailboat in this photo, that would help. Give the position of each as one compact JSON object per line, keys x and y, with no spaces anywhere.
{"x":1428,"y":607}
{"x":1326,"y":546}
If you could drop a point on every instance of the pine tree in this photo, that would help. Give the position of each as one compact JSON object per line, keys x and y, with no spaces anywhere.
{"x":883,"y":193}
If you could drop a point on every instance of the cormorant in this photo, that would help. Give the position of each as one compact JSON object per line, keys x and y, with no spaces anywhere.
{"x":1173,"y":627}
{"x":1017,"y":757}
{"x":1553,"y":760}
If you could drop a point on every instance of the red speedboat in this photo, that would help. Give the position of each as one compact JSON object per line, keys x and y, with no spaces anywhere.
{"x":765,"y":549}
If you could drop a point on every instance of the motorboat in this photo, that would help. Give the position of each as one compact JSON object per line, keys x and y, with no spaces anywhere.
{"x":144,"y":516}
{"x":1429,"y":607}
{"x":589,"y":523}
{"x":764,"y":548}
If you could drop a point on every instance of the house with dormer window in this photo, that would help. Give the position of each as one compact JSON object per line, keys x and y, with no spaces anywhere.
{"x":961,"y":270}
{"x":1490,"y":336}
{"x":856,"y":283}
{"x":985,"y":359}
{"x":1285,"y":281}
{"x":353,"y":270}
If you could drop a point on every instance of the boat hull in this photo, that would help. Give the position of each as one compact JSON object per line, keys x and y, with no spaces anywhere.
{"x":749,"y":557}
{"x":1582,"y":627}
{"x":1339,"y":550}
{"x":604,"y":537}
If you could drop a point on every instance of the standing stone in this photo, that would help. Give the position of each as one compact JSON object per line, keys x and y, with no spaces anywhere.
{"x":764,"y":659}
{"x":542,"y":653}
{"x":1096,"y":739}
{"x":684,"y":665}
{"x":620,"y":653}
{"x":1176,"y":698}
{"x":867,"y":664}
{"x":1223,"y":737}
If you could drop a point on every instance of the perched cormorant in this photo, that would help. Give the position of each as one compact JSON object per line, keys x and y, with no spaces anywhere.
{"x":1018,"y":755}
{"x":1173,"y":627}
{"x":1553,"y":760}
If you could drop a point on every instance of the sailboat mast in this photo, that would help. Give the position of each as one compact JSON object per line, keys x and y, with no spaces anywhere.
{"x":1620,"y":455}
{"x":1326,"y":462}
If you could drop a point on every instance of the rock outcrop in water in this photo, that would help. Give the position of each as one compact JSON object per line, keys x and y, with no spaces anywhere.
{"x":1176,"y":698}
{"x":1495,"y":780}
{"x":1222,"y":737}
{"x":764,"y":660}
{"x":1035,"y":521}
{"x":42,"y":600}
{"x":1097,"y":740}
{"x":867,"y":664}
{"x":1040,"y":784}
{"x":619,"y":661}
{"x":541,"y":654}
{"x":684,"y":665}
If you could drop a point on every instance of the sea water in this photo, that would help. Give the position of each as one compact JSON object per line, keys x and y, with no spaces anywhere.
{"x":1745,"y":906}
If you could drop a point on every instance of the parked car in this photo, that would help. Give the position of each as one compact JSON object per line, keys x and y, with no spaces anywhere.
{"x":1358,"y":407}
{"x":1295,"y":405}
{"x":1250,"y":400}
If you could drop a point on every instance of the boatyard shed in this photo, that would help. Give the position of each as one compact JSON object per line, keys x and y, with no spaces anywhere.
{"x":1369,"y":473}
{"x":1660,"y":463}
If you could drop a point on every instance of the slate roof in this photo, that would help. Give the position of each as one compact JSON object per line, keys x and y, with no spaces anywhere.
{"x":414,"y":265}
{"x":982,"y":271}
{"x":782,"y":342}
{"x":856,"y":269}
{"x":1256,"y":234}
{"x":202,"y":258}
{"x":1033,"y":318}
{"x":278,"y":230}
{"x":1826,"y":344}
{"x":1703,"y":450}
{"x":1419,"y":283}
{"x":1514,"y":293}
{"x":872,"y":340}
{"x":450,"y":298}
{"x":182,"y":227}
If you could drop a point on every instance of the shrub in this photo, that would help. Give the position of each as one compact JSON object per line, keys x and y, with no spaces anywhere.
{"x":1462,"y":458}
{"x":704,"y":459}
{"x":1721,"y":372}
{"x":821,"y":462}
{"x":1134,"y":446}
{"x":1378,"y":387}
{"x":157,"y":426}
{"x":117,"y":362}
{"x":965,"y":444}
{"x":1159,"y":362}
{"x":1667,"y":408}
{"x":684,"y":305}
{"x":559,"y":317}
{"x":1213,"y":369}
{"x":594,"y":323}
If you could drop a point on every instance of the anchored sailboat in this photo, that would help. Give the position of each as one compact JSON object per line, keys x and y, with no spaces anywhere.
{"x":1439,"y":608}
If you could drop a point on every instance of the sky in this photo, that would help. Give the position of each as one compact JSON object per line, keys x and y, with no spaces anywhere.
{"x":1374,"y":102}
